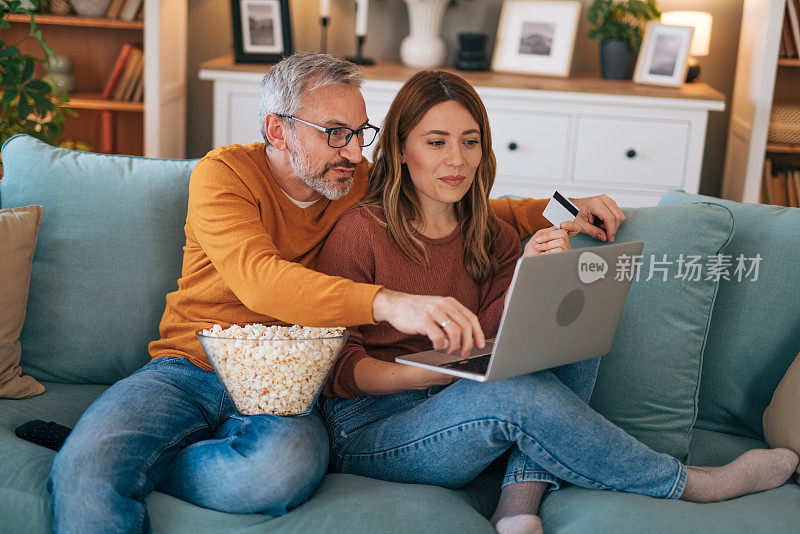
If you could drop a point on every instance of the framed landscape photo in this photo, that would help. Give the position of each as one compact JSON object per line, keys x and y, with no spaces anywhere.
{"x":262,"y":30}
{"x":663,"y":57}
{"x":536,"y":37}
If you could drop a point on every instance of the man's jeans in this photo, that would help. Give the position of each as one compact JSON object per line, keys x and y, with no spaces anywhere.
{"x":171,"y":427}
{"x":446,"y":436}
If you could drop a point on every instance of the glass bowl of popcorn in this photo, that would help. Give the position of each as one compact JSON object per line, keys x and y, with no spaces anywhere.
{"x":277,"y":370}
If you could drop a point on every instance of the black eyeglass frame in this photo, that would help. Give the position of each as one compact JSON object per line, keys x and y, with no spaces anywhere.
{"x":329,"y":131}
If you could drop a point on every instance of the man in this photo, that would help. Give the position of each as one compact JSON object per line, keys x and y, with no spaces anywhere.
{"x":258,"y":217}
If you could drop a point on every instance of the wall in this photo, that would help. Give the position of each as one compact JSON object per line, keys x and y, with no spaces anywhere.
{"x":210,"y":36}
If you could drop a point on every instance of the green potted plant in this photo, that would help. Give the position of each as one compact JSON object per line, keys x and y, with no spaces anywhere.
{"x":618,"y":25}
{"x":29,"y":105}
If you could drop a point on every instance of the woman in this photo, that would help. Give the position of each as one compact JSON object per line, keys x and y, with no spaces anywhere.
{"x":426,"y":227}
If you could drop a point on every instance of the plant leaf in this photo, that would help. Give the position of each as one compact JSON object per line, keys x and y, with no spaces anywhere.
{"x":9,"y":51}
{"x":40,"y":86}
{"x":27,"y":70}
{"x":23,"y":108}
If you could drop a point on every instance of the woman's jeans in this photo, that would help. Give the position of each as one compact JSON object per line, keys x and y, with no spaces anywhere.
{"x":446,"y":436}
{"x":171,"y":427}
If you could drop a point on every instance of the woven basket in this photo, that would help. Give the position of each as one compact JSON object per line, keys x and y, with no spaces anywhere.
{"x":784,"y":124}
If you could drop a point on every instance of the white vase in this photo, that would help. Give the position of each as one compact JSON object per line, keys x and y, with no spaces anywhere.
{"x":423,"y":48}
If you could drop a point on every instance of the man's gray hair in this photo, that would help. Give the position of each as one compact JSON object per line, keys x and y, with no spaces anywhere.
{"x":287,"y":82}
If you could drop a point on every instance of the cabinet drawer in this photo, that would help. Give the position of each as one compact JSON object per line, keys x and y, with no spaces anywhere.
{"x":631,"y":151}
{"x":532,"y":146}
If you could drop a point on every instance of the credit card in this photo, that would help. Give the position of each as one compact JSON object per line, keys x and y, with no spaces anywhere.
{"x":560,"y":210}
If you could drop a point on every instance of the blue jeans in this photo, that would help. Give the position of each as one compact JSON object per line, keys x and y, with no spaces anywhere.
{"x":446,"y":436}
{"x":172,"y":427}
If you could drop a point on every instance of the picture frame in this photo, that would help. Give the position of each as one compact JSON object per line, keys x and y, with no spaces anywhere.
{"x":262,"y":30}
{"x":536,"y":37}
{"x":663,"y":57}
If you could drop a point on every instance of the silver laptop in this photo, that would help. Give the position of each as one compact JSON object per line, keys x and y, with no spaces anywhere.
{"x":562,"y":308}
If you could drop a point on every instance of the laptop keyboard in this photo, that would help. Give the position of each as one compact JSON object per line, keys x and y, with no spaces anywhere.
{"x":477,"y":365}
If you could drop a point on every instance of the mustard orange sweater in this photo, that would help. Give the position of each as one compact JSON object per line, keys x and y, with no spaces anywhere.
{"x":250,"y":254}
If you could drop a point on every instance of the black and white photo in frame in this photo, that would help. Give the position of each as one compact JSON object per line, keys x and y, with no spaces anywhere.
{"x":536,"y":37}
{"x":261,"y":30}
{"x":663,"y":56}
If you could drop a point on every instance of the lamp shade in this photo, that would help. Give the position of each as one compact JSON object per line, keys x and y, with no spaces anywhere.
{"x":701,"y":22}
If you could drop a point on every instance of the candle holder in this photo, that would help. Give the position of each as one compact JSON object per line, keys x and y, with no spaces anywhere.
{"x":323,"y":44}
{"x":359,"y":58}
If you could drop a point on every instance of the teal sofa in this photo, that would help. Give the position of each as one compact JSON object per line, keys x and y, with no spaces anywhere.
{"x":693,"y":365}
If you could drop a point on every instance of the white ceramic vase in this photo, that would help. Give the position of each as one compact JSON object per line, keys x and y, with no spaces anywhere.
{"x":423,"y":48}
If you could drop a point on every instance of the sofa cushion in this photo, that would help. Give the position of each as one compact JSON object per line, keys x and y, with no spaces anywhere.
{"x":710,"y":448}
{"x":755,"y":329}
{"x":782,"y":416}
{"x":579,"y":510}
{"x":24,"y":467}
{"x":344,"y":503}
{"x":648,"y":382}
{"x":109,"y":251}
{"x":18,"y":229}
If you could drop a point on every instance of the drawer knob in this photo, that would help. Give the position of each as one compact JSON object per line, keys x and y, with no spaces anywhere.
{"x":631,"y":153}
{"x":512,"y":145}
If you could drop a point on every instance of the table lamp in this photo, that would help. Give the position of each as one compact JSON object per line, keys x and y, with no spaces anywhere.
{"x":701,"y":41}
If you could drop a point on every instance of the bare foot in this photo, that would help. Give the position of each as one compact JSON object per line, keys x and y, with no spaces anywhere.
{"x":520,"y":524}
{"x":754,"y":471}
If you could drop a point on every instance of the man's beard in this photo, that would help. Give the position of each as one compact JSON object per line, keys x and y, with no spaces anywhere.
{"x":315,"y":178}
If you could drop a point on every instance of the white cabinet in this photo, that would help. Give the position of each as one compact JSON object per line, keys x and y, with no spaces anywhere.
{"x":582,"y":136}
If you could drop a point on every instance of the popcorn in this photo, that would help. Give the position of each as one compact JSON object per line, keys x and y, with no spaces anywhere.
{"x":275,"y":370}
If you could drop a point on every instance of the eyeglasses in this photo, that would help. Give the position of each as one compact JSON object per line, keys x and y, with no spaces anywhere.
{"x":339,"y":136}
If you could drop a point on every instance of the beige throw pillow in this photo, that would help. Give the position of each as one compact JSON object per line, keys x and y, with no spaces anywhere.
{"x":18,"y":230}
{"x":782,"y":416}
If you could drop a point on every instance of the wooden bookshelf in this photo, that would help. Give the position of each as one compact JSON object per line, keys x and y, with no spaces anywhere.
{"x":84,"y":22}
{"x":783,"y":148}
{"x":93,"y":101}
{"x":155,"y":127}
{"x":753,"y":103}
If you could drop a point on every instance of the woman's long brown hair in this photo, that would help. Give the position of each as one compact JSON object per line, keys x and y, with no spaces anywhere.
{"x":391,"y":187}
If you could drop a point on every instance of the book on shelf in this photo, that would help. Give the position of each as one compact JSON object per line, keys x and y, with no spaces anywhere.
{"x":116,"y":70}
{"x":138,"y":73}
{"x":793,"y":183}
{"x":781,"y":184}
{"x":137,"y":80}
{"x":114,"y":8}
{"x":766,"y":183}
{"x":779,"y":189}
{"x":139,"y":92}
{"x":131,"y":96}
{"x":776,"y":183}
{"x":791,"y":194}
{"x":128,"y":78}
{"x":130,"y":9}
{"x":786,"y":180}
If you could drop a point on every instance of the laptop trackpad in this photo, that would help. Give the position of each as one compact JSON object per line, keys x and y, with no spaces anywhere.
{"x":477,"y":365}
{"x":473,"y":353}
{"x":477,"y":361}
